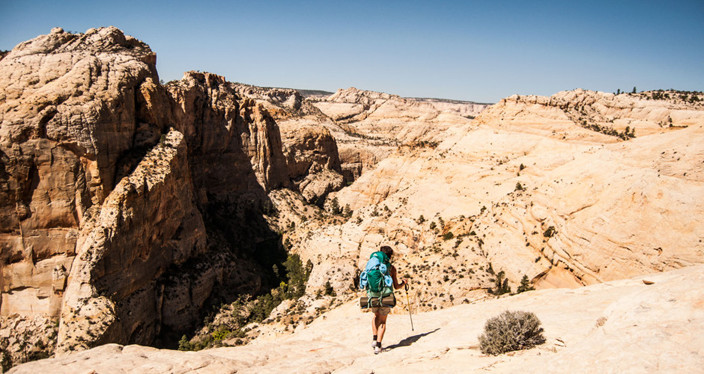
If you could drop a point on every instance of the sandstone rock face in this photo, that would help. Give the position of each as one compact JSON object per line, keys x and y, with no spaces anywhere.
{"x":69,"y":120}
{"x":309,"y":148}
{"x":621,"y":326}
{"x":463,"y":108}
{"x":224,"y":132}
{"x":146,"y":224}
{"x":24,"y":338}
{"x":288,"y":99}
{"x":312,"y":159}
{"x":117,"y":192}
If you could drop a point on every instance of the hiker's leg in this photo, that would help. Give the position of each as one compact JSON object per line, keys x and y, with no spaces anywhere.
{"x":381,"y":329}
{"x":375,"y":324}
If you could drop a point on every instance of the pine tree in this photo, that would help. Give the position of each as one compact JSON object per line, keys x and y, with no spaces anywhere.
{"x":336,"y":206}
{"x":502,"y":286}
{"x":525,"y":285}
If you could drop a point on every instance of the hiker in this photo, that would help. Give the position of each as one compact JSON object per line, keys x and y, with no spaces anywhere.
{"x":382,"y":312}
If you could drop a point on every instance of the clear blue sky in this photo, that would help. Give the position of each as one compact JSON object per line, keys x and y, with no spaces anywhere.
{"x":472,"y":50}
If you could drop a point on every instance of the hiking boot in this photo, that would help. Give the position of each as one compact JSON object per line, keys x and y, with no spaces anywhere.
{"x":377,"y":350}
{"x":373,"y":343}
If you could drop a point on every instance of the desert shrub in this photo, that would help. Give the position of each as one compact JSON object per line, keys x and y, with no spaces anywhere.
{"x":511,"y":331}
{"x":550,"y":232}
{"x":329,"y":290}
{"x":375,"y":212}
{"x":221,"y":333}
{"x":448,"y":235}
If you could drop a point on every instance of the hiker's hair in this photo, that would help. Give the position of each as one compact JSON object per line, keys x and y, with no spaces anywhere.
{"x":387,"y":250}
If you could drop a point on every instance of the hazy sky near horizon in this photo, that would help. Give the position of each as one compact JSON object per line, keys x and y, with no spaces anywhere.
{"x":470,"y":50}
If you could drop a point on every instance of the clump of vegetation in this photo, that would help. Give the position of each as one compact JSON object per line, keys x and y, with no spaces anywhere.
{"x":337,"y":210}
{"x":448,"y":235}
{"x":335,"y":207}
{"x":6,"y":361}
{"x":246,"y":310}
{"x":550,"y":232}
{"x":525,"y":284}
{"x":375,"y":212}
{"x":608,"y":130}
{"x":501,"y":283}
{"x":329,"y":290}
{"x":511,"y":331}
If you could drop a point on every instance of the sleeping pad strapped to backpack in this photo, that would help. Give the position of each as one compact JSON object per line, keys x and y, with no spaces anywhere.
{"x":377,"y":281}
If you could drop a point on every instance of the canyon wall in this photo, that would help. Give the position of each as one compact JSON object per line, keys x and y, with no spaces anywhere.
{"x":127,"y":205}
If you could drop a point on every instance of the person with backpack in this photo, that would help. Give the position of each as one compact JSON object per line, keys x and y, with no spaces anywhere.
{"x":379,"y":279}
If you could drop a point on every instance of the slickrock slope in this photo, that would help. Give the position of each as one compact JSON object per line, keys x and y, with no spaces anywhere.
{"x":556,"y":115}
{"x":527,"y":191}
{"x":648,"y":324}
{"x":370,"y":125}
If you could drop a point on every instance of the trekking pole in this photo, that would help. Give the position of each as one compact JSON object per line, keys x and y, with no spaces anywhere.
{"x":409,"y":305}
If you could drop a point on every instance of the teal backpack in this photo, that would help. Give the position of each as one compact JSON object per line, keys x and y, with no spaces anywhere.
{"x":375,"y":278}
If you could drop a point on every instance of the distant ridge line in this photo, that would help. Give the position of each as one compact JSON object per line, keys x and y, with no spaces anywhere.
{"x":453,"y":101}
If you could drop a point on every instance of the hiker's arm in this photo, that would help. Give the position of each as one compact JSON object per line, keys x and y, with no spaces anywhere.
{"x":397,"y":285}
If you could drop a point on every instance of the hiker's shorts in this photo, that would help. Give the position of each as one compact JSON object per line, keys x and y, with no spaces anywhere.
{"x":382,"y":310}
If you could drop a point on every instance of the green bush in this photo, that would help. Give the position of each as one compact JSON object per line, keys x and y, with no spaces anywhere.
{"x":511,"y":331}
{"x":184,"y":344}
{"x":221,"y":333}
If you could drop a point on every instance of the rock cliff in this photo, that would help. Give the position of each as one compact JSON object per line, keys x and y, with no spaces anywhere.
{"x":127,"y":205}
{"x":69,"y":122}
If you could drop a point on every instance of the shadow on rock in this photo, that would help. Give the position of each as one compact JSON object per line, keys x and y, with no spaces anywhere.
{"x":410,"y":340}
